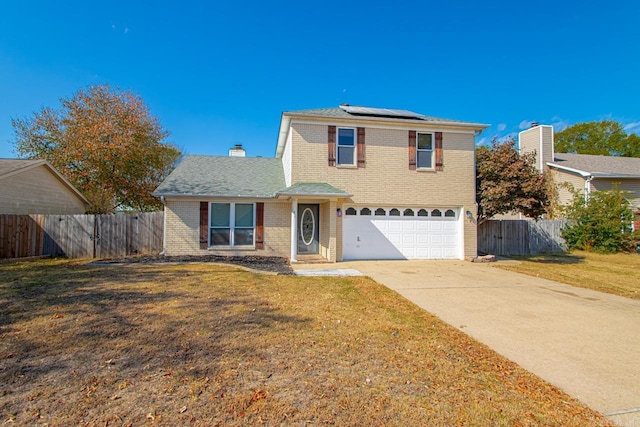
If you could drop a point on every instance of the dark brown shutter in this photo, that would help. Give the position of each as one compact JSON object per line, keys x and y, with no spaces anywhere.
{"x":361,"y":160}
{"x":332,"y":145}
{"x":204,"y":225}
{"x":259,"y":225}
{"x":439,"y":156}
{"x":412,"y":149}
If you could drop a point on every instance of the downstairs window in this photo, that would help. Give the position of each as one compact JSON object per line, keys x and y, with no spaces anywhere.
{"x":232,"y":224}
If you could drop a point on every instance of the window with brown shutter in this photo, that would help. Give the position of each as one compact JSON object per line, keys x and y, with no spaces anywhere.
{"x":204,"y":225}
{"x":332,"y":145}
{"x":412,"y":149}
{"x":439,"y":155}
{"x":361,"y":149}
{"x":259,"y":225}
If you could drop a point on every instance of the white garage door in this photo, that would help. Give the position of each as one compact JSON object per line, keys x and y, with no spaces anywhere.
{"x":395,"y":233}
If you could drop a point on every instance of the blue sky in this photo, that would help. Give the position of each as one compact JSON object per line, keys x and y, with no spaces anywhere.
{"x":221,"y":73}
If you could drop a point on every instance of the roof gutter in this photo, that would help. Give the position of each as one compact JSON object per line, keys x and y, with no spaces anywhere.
{"x":565,"y":168}
{"x":592,"y":175}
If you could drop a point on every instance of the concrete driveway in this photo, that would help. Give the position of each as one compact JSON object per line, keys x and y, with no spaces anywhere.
{"x":585,"y":342}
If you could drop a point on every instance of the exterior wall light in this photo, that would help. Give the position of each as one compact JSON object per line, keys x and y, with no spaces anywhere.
{"x":469,"y":215}
{"x":339,"y":212}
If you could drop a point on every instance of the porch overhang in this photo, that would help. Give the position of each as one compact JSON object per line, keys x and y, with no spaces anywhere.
{"x":312,"y":190}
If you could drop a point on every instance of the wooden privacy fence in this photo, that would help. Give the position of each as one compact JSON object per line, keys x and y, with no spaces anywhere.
{"x":520,"y":237}
{"x":81,"y":236}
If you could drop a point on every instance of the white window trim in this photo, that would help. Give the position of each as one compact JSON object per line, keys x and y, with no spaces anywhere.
{"x":433,"y":150}
{"x":354,"y":146}
{"x":232,"y":226}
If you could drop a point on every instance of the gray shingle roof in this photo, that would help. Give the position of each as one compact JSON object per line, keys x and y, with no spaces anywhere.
{"x":600,"y":166}
{"x":313,"y":189}
{"x":221,"y":176}
{"x":8,"y":166}
{"x":337,"y":112}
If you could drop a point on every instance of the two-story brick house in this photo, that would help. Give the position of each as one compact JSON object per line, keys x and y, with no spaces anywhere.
{"x":346,"y":183}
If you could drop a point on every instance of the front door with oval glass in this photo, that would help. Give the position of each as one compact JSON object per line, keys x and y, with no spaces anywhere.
{"x":308,"y":231}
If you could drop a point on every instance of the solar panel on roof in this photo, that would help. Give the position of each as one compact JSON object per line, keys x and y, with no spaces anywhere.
{"x":384,"y":112}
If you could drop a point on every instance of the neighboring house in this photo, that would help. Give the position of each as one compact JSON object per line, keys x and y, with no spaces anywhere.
{"x":36,"y":187}
{"x":582,"y":172}
{"x":346,"y":183}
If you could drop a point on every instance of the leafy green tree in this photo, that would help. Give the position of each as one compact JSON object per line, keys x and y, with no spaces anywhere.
{"x":601,"y":223}
{"x":106,"y":142}
{"x":606,"y":137}
{"x":509,"y":182}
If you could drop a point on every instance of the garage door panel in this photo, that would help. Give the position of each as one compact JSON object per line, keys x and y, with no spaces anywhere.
{"x":422,"y":226}
{"x":449,"y":225}
{"x":436,"y":253}
{"x":392,"y":237}
{"x":409,"y":253}
{"x":408,"y":226}
{"x":449,"y":253}
{"x":394,"y":225}
{"x":449,"y":240}
{"x":408,"y":239}
{"x":422,"y":253}
{"x":436,"y":239}
{"x":422,"y":239}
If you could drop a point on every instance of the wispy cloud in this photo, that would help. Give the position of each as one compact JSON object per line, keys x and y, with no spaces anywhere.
{"x":114,"y":28}
{"x":508,"y":137}
{"x":559,"y":124}
{"x":525,"y":124}
{"x":501,"y":127}
{"x":633,"y":127}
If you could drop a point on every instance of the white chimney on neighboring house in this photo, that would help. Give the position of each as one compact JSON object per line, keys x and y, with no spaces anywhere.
{"x":538,"y":138}
{"x":237,"y":151}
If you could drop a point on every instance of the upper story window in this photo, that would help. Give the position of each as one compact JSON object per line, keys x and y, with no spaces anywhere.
{"x":424,"y":150}
{"x":232,"y":224}
{"x":346,"y":146}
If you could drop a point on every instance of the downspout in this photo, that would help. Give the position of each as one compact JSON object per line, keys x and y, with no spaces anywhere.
{"x":587,"y":188}
{"x":164,"y":227}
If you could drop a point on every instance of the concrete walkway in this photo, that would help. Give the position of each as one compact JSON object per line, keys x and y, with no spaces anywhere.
{"x":585,"y":342}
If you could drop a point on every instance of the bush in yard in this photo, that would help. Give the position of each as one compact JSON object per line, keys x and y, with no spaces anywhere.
{"x":601,"y":223}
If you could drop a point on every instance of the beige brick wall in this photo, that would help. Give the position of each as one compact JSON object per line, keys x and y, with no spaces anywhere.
{"x":386,"y":180}
{"x":328,"y":240}
{"x":183,"y":229}
{"x":37,"y":191}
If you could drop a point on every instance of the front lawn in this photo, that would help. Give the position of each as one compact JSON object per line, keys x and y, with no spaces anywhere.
{"x":617,"y":274}
{"x":214,"y":345}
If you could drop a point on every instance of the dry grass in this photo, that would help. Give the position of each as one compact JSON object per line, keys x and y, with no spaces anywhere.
{"x":617,"y":274}
{"x":212,"y":345}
